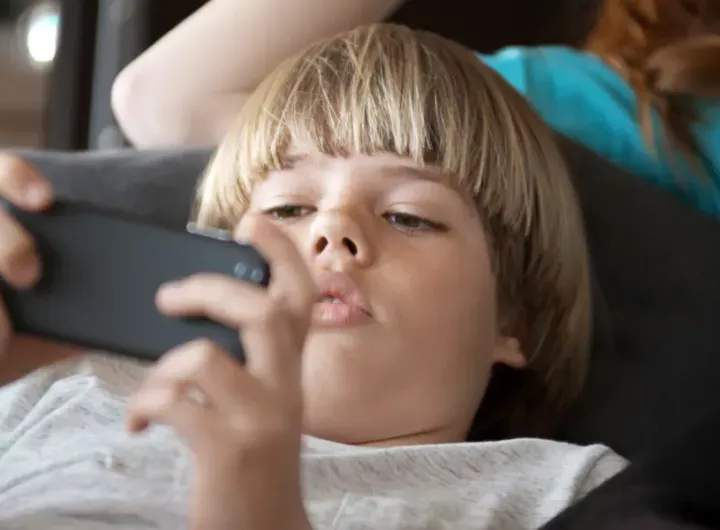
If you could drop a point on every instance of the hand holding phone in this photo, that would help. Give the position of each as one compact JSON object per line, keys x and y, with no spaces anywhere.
{"x":19,"y":264}
{"x":100,"y":274}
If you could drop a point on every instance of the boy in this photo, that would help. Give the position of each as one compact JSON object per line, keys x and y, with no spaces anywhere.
{"x":423,"y":236}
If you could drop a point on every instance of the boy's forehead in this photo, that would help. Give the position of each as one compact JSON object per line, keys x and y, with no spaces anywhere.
{"x":382,"y":163}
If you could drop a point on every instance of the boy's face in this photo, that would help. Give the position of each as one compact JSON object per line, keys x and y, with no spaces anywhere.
{"x":401,"y":350}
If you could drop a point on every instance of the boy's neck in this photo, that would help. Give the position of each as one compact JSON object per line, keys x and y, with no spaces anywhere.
{"x":447,"y":433}
{"x":438,"y":436}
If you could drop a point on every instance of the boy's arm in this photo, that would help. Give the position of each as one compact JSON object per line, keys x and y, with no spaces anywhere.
{"x":187,"y":88}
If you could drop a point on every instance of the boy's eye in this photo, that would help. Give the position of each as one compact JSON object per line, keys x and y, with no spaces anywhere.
{"x":288,"y":211}
{"x":412,"y":223}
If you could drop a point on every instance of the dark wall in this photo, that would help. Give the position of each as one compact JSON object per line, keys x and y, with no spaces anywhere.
{"x":480,"y":25}
{"x":11,"y":9}
{"x":67,"y":118}
{"x":166,"y":15}
{"x":486,"y":25}
{"x":483,"y":25}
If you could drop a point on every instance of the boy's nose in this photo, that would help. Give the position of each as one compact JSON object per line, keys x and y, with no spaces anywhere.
{"x":345,"y":244}
{"x":337,"y":237}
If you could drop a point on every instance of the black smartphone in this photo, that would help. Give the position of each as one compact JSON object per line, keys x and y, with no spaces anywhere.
{"x":101,"y":272}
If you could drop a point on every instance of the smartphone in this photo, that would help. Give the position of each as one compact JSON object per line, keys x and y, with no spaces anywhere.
{"x":101,"y":272}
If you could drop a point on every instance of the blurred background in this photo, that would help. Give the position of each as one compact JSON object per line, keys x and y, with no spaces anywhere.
{"x":58,"y":58}
{"x":24,"y":62}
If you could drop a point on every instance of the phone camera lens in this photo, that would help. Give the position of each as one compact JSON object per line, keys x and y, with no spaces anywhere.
{"x":241,"y":270}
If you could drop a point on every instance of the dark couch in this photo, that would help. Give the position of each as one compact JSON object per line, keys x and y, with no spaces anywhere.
{"x":486,"y":26}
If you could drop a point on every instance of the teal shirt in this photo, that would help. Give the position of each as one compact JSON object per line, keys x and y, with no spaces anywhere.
{"x":581,"y":97}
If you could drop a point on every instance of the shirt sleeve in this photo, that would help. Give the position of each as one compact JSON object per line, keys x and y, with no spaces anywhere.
{"x":606,"y":466}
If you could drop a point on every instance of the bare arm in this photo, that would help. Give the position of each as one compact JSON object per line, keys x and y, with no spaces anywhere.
{"x":187,"y":88}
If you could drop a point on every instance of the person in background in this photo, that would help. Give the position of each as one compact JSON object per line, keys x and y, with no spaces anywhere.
{"x":644,"y":92}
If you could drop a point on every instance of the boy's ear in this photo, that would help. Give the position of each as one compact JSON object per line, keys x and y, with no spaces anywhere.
{"x":508,"y":351}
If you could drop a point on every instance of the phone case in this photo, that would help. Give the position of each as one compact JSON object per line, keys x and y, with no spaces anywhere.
{"x":100,"y":276}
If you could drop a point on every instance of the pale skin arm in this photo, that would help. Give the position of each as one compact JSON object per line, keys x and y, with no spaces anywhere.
{"x":187,"y":88}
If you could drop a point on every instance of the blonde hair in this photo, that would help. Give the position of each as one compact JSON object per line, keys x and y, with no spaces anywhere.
{"x":387,"y":88}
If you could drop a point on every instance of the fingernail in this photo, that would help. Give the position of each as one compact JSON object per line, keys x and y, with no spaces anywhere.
{"x":168,"y":290}
{"x":37,"y":195}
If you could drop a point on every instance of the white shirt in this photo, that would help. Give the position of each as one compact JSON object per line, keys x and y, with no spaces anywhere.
{"x":66,"y":462}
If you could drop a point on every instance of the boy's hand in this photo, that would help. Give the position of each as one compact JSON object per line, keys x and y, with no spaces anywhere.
{"x":243,"y":422}
{"x":20,"y":265}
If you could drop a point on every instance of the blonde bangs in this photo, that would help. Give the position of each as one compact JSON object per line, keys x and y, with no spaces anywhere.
{"x":378,"y":89}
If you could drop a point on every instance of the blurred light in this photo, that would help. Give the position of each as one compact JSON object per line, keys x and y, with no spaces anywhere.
{"x":41,"y":33}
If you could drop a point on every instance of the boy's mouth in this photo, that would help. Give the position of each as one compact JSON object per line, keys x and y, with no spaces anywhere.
{"x":340,"y":303}
{"x":336,"y":298}
{"x":331,"y":312}
{"x":331,"y":300}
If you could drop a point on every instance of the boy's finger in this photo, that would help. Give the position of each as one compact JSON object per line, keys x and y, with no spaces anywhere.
{"x":269,"y":332}
{"x":19,"y":263}
{"x":204,"y":365}
{"x":291,"y":280}
{"x":5,"y":331}
{"x":22,"y":184}
{"x":223,"y":299}
{"x":168,"y":404}
{"x":274,"y":356}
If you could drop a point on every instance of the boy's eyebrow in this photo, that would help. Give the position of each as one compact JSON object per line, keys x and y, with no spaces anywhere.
{"x":431,"y":174}
{"x":419,"y":173}
{"x":292,"y":158}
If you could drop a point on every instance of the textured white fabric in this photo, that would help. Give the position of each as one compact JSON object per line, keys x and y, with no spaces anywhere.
{"x":66,"y":462}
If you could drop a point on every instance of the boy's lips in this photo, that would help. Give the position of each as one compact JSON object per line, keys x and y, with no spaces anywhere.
{"x":340,"y":303}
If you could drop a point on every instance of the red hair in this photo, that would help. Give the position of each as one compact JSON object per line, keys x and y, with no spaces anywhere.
{"x":669,"y":51}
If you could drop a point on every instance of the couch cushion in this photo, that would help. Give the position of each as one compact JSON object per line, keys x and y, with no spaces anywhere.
{"x":156,"y":185}
{"x":656,"y":260}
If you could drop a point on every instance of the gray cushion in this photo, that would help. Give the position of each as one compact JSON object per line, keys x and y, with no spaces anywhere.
{"x":156,"y":185}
